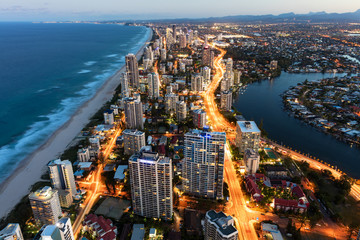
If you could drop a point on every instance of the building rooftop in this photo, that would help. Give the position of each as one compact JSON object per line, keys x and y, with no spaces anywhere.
{"x":251,"y":152}
{"x":138,"y":232}
{"x":119,"y":174}
{"x":224,"y":223}
{"x":149,"y":157}
{"x":200,"y":133}
{"x":133,"y":132}
{"x":109,"y":111}
{"x":248,"y":126}
{"x":199,"y":111}
{"x":273,"y":229}
{"x":82,"y":165}
{"x":109,"y":167}
{"x":10,"y":229}
{"x":43,"y":194}
{"x":106,"y":228}
{"x":59,"y":162}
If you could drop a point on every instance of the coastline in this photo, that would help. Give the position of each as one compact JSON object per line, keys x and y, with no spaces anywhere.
{"x":29,"y":170}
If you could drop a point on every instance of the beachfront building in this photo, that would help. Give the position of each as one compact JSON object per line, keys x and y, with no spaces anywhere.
{"x":132,"y":70}
{"x":170,"y":102}
{"x":226,"y":100}
{"x":62,"y":175}
{"x":45,"y":205}
{"x":124,"y":80}
{"x":109,"y":117}
{"x":153,"y":85}
{"x":83,"y":155}
{"x":94,"y":146}
{"x":65,"y":198}
{"x":203,"y":165}
{"x":62,"y":230}
{"x":151,"y":185}
{"x":252,"y":160}
{"x":199,"y":118}
{"x":218,"y":226}
{"x":133,"y":113}
{"x":247,"y":135}
{"x":134,"y":140}
{"x":11,"y":232}
{"x":180,"y":111}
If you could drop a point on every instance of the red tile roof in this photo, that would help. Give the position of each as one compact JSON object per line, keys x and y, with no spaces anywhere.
{"x":285,"y":203}
{"x":298,"y":192}
{"x":104,"y":227}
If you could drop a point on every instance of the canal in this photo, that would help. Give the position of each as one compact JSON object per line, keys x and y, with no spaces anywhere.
{"x":261,"y":102}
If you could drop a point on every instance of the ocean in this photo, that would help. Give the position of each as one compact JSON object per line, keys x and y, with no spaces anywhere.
{"x":47,"y":71}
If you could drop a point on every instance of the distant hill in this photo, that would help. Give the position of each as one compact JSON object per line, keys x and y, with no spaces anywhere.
{"x":314,"y":17}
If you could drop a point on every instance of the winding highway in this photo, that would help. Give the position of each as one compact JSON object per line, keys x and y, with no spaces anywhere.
{"x":237,"y":207}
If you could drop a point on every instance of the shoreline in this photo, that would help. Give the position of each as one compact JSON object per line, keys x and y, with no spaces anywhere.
{"x":275,"y":138}
{"x":15,"y":187}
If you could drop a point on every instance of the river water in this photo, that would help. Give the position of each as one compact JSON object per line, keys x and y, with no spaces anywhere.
{"x":261,"y":101}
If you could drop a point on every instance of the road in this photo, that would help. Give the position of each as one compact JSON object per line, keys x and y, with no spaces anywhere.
{"x":217,"y":121}
{"x":355,"y":189}
{"x":95,"y":188}
{"x":237,"y":205}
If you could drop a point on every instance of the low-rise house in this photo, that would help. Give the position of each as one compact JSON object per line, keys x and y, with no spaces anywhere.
{"x":289,"y":205}
{"x":120,"y":172}
{"x":101,"y":228}
{"x":271,"y":229}
{"x":253,"y":189}
{"x":138,"y":232}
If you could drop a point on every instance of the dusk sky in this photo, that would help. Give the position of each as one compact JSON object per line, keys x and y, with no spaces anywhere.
{"x":40,"y":10}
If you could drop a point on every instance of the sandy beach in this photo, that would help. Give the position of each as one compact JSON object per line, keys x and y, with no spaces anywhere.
{"x":29,"y":171}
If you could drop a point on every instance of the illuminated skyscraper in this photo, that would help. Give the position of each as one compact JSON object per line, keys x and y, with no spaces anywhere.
{"x":174,"y":33}
{"x":132,"y":70}
{"x":182,"y":41}
{"x":207,"y":56}
{"x":62,"y":175}
{"x":124,"y":85}
{"x":153,"y":85}
{"x":11,"y":232}
{"x":252,"y":160}
{"x":133,"y":113}
{"x":45,"y":205}
{"x":151,"y":185}
{"x":226,"y":100}
{"x":247,"y":135}
{"x":197,"y":82}
{"x":218,"y":226}
{"x":134,"y":140}
{"x":203,"y":164}
{"x":62,"y":230}
{"x":180,"y":111}
{"x":109,"y":117}
{"x":170,"y":102}
{"x":199,"y":118}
